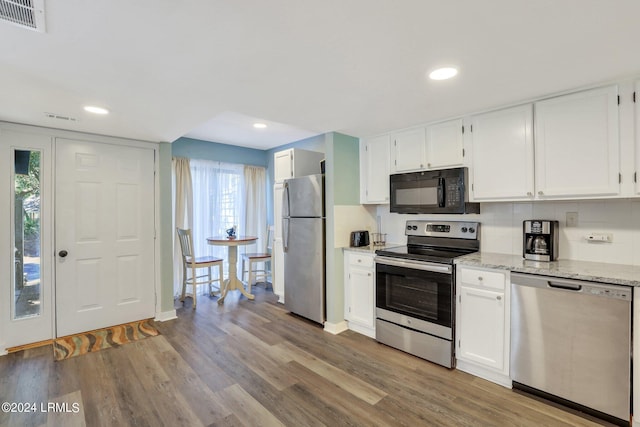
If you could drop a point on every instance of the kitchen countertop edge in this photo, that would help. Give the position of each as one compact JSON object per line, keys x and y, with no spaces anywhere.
{"x":371,"y":249}
{"x":617,"y":274}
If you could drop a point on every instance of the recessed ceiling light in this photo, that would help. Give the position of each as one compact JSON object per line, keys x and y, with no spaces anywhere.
{"x":259,"y":125}
{"x":443,"y":73}
{"x":96,"y":110}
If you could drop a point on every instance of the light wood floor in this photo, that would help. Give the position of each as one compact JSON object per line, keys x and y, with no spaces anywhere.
{"x":252,"y":363}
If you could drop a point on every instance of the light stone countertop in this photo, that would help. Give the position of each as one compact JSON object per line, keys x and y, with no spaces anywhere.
{"x":619,"y":274}
{"x":371,"y":249}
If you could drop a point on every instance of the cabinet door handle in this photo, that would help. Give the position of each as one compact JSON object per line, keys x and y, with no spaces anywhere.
{"x":480,"y":278}
{"x":540,"y":193}
{"x":369,"y":274}
{"x":498,"y":297}
{"x":529,"y":193}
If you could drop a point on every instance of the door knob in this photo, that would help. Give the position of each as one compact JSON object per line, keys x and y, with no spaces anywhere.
{"x":63,"y":253}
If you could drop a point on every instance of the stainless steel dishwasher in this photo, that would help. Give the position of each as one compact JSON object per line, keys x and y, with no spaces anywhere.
{"x":572,"y":340}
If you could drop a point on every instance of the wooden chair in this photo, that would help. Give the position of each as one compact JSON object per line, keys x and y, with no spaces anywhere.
{"x":192,"y":263}
{"x":256,"y":258}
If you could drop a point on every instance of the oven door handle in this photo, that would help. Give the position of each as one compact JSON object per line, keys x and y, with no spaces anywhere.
{"x":415,"y":265}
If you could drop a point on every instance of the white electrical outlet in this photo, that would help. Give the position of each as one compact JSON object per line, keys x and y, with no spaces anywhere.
{"x":599,"y":237}
{"x":571,"y":219}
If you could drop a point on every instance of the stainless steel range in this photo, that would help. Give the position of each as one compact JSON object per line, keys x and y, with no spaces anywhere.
{"x":415,"y":288}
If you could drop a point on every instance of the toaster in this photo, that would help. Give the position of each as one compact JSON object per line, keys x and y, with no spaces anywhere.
{"x":359,"y":238}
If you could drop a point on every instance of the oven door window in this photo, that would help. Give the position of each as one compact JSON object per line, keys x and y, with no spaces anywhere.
{"x":416,"y":293}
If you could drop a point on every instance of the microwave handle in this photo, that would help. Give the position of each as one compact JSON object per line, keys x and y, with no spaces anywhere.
{"x":441,"y":192}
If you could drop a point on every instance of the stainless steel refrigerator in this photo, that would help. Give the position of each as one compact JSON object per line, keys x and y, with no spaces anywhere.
{"x":303,"y":237}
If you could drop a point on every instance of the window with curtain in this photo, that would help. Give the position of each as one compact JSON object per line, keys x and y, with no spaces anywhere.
{"x":218,"y":190}
{"x":224,"y":195}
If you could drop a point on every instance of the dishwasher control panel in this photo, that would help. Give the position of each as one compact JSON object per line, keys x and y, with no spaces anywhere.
{"x":609,"y":292}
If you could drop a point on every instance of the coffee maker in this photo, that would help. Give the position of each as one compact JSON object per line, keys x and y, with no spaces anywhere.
{"x":540,"y":240}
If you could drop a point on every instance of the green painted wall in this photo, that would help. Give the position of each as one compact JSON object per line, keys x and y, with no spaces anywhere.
{"x":205,"y":150}
{"x":346,"y":169}
{"x":341,"y":188}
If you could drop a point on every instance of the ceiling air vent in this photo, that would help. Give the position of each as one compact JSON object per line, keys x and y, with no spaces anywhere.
{"x":23,"y":13}
{"x":60,"y":116}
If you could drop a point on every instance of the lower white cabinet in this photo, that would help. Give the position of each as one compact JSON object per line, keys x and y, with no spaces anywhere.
{"x":482,"y":323}
{"x":359,"y":292}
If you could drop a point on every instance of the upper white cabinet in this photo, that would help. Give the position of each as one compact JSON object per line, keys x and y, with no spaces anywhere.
{"x":502,"y":154}
{"x":577,"y":144}
{"x":439,"y":145}
{"x":408,"y":150}
{"x":445,"y":144}
{"x":374,"y":170}
{"x":574,"y":146}
{"x":295,"y":162}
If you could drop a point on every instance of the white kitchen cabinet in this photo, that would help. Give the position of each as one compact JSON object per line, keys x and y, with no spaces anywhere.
{"x":408,"y":150}
{"x":577,"y":144}
{"x":444,"y":145}
{"x":359,"y":290}
{"x":432,"y":147}
{"x":502,"y":155}
{"x":295,"y":162}
{"x":483,"y":323}
{"x":277,"y":255}
{"x":374,"y":170}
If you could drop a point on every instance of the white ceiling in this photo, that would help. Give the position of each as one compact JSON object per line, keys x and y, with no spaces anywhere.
{"x":209,"y":68}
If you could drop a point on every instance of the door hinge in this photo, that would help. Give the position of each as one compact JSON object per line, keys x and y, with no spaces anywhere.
{"x":635,"y":177}
{"x":459,"y":341}
{"x":634,"y":97}
{"x":459,"y":298}
{"x":366,"y":148}
{"x":471,"y":128}
{"x":395,"y":143}
{"x":619,"y":178}
{"x":462,"y":129}
{"x":618,"y":99}
{"x":463,"y":152}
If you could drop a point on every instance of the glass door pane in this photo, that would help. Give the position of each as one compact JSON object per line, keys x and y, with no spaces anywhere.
{"x":26,"y":239}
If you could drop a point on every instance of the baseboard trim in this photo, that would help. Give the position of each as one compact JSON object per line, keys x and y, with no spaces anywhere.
{"x":335,"y":328}
{"x":163,"y":316}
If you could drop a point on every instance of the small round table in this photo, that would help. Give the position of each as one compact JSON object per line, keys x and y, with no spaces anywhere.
{"x":232,"y":282}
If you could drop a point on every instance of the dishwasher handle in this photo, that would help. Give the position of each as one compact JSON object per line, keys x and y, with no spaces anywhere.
{"x":565,"y":286}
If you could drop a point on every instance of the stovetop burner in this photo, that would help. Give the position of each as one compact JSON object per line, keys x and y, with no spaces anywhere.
{"x":436,"y":241}
{"x":422,"y":253}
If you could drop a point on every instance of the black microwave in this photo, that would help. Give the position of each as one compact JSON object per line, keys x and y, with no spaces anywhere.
{"x":431,"y":192}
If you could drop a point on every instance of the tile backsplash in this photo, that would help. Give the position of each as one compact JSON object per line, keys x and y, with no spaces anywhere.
{"x":501,"y":229}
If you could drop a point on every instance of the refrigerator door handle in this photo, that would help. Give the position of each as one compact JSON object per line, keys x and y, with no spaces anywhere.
{"x":285,"y":234}
{"x":286,"y":202}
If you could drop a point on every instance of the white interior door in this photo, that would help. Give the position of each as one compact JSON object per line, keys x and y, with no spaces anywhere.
{"x":104,"y":235}
{"x":26,"y":305}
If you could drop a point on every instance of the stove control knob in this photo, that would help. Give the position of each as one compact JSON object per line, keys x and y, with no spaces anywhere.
{"x":472,"y":230}
{"x":408,"y":227}
{"x":464,"y":229}
{"x":415,"y":227}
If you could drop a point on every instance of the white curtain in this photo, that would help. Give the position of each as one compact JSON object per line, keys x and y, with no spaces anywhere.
{"x":255,"y":200}
{"x":182,"y":197}
{"x":218,"y":204}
